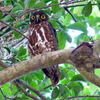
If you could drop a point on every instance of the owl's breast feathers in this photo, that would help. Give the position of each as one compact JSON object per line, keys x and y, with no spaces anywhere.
{"x":42,"y":38}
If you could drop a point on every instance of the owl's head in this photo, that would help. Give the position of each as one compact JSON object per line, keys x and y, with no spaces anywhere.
{"x":38,"y":17}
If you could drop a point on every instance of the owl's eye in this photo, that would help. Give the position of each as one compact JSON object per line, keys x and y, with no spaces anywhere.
{"x":33,"y":17}
{"x":43,"y":16}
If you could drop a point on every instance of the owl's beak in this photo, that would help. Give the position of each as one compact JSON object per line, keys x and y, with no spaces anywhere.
{"x":37,"y":19}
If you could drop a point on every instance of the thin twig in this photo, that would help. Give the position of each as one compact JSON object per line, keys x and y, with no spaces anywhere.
{"x":13,"y":28}
{"x":70,"y":14}
{"x":51,"y":5}
{"x":46,"y":87}
{"x":27,"y":94}
{"x":79,"y":5}
{"x":3,"y":94}
{"x":32,"y":89}
{"x":82,"y":97}
{"x":5,"y":97}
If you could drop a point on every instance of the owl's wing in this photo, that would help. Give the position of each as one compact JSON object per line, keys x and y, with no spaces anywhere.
{"x":55,"y":34}
{"x":53,"y":72}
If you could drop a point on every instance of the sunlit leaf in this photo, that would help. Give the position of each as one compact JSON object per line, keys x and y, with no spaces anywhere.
{"x":17,"y":9}
{"x":76,"y":86}
{"x":63,"y":37}
{"x":78,"y":26}
{"x":78,"y":77}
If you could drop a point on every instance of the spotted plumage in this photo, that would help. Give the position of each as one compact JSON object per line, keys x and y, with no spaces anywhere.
{"x":42,"y":39}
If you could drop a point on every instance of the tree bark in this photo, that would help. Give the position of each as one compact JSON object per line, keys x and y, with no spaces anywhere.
{"x":43,"y":61}
{"x":33,"y":64}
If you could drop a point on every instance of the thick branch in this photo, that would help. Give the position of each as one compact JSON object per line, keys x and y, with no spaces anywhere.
{"x":38,"y":62}
{"x":89,"y":76}
{"x":44,"y":60}
{"x":3,"y":65}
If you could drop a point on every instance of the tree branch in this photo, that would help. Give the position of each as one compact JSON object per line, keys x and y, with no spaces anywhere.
{"x":43,"y":61}
{"x":83,"y":97}
{"x":3,"y":65}
{"x":79,"y":5}
{"x":26,"y":93}
{"x":51,"y":5}
{"x":32,"y":89}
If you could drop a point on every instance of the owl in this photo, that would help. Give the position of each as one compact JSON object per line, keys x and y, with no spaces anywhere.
{"x":42,"y":39}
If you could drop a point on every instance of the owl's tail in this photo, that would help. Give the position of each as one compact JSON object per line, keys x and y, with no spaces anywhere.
{"x":53,"y":73}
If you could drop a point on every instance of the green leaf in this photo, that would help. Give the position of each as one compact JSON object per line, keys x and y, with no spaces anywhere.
{"x":39,"y":74}
{"x":64,"y":91}
{"x":98,"y":1}
{"x":55,"y":92}
{"x":1,"y":68}
{"x":69,"y":39}
{"x":21,"y":3}
{"x":1,"y":15}
{"x":22,"y":51}
{"x":17,"y":9}
{"x":82,"y":38}
{"x":78,"y":26}
{"x":7,"y":2}
{"x":71,"y":74}
{"x":8,"y":19}
{"x":78,"y":77}
{"x":62,"y":38}
{"x":39,"y":4}
{"x":17,"y":35}
{"x":29,"y":4}
{"x":91,"y":98}
{"x":63,"y":74}
{"x":66,"y":20}
{"x":9,"y":89}
{"x":55,"y":9}
{"x":97,"y":37}
{"x":76,"y":87}
{"x":87,"y":10}
{"x":55,"y":24}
